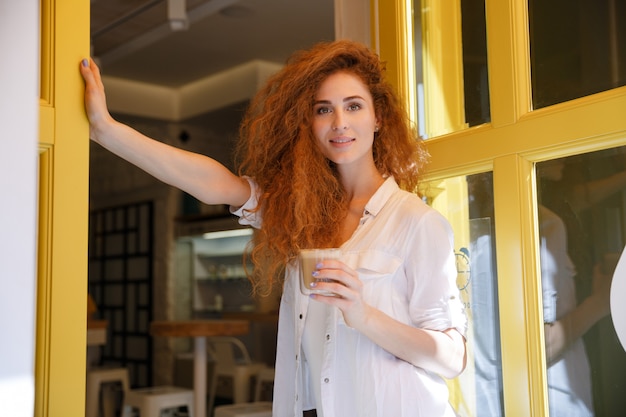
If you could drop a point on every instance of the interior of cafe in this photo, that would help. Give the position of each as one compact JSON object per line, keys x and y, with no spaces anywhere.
{"x":522,"y":107}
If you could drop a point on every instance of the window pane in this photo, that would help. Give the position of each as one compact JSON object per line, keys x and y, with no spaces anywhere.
{"x":476,"y":83}
{"x":577,"y":48}
{"x":467,"y":202}
{"x":433,"y":24}
{"x":582,"y":226}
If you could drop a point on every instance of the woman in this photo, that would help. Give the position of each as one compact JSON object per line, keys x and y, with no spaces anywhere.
{"x":324,"y":149}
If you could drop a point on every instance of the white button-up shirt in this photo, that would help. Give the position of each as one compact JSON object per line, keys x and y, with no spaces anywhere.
{"x":404,"y":254}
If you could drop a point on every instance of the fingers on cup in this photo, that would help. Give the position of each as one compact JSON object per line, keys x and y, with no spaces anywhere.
{"x":309,"y":264}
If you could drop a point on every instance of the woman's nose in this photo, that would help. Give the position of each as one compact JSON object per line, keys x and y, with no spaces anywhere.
{"x":339,"y":122}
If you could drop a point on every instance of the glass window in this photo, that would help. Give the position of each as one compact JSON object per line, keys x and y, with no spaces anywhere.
{"x":475,"y":80}
{"x":467,"y":202}
{"x":582,"y":230}
{"x":577,"y":48}
{"x":451,"y":65}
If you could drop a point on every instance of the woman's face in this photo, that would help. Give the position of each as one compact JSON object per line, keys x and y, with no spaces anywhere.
{"x":344,"y":119}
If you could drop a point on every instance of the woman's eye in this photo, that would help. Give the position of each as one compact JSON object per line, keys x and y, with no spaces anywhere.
{"x":354,"y":106}
{"x":323,"y":110}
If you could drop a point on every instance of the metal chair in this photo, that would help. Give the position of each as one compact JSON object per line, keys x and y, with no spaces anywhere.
{"x":257,"y":408}
{"x":264,"y":377}
{"x":96,"y":378}
{"x":150,"y":402}
{"x":232,"y":361}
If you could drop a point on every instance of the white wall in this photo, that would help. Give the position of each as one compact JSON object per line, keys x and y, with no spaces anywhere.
{"x":19,"y":74}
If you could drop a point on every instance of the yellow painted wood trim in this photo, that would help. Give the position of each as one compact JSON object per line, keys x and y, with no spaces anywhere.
{"x":60,"y":352}
{"x":582,"y":125}
{"x":508,"y":57}
{"x":519,"y":295}
{"x":46,"y":124}
{"x":46,"y":50}
{"x":392,"y":32}
{"x":44,"y":284}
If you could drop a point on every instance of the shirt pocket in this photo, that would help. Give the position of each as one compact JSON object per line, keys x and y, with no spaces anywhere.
{"x":377,"y":271}
{"x":372,"y":264}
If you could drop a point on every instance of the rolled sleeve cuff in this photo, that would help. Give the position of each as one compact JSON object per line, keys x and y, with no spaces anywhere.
{"x":248,"y":213}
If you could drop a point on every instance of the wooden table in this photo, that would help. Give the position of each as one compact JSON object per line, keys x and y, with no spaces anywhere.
{"x":96,"y":337}
{"x":199,"y":330}
{"x":96,"y":332}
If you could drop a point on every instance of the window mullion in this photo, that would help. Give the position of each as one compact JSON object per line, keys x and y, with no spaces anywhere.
{"x":523,"y":362}
{"x":508,"y":58}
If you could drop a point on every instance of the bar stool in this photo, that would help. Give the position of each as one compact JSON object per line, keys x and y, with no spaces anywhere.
{"x":233,"y":362}
{"x":96,"y":378}
{"x":257,"y":408}
{"x":151,"y":401}
{"x":265,"y":376}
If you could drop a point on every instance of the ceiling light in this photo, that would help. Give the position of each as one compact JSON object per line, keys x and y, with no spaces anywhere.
{"x":177,"y":14}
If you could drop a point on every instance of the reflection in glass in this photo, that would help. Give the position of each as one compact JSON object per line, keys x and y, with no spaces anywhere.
{"x":432,"y":18}
{"x":582,"y":229}
{"x":577,"y":48}
{"x":486,"y":322}
{"x":467,"y":202}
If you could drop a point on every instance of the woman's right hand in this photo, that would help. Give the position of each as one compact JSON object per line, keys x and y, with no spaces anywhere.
{"x":95,"y":99}
{"x":203,"y":177}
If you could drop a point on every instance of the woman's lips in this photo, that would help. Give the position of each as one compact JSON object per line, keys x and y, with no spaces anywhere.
{"x":342,"y":140}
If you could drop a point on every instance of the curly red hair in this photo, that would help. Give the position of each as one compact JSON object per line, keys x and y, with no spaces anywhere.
{"x":303,"y":203}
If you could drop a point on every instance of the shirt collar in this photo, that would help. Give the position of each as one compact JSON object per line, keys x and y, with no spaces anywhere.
{"x":381,"y":196}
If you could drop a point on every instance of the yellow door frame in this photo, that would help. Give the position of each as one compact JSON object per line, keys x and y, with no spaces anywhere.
{"x":60,"y":353}
{"x":516,"y":138}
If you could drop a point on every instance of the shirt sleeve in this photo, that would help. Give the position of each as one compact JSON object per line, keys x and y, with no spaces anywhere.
{"x":431,"y":270}
{"x":248,"y":214}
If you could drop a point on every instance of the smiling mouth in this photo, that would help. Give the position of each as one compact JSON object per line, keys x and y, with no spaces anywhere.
{"x":342,"y":140}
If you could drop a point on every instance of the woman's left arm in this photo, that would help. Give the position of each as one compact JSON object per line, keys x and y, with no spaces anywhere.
{"x":442,"y":352}
{"x":433,"y":300}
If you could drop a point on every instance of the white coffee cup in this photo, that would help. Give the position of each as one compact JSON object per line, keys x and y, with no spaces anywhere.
{"x":308,"y":260}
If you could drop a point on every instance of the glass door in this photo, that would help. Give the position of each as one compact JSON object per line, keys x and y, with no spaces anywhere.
{"x":492,"y":102}
{"x":582,"y":224}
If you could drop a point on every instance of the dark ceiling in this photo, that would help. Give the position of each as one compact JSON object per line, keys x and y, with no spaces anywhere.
{"x":134,"y":39}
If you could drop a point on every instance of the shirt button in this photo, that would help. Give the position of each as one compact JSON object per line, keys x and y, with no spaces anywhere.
{"x":300,"y":316}
{"x":326,"y":380}
{"x":327,"y":337}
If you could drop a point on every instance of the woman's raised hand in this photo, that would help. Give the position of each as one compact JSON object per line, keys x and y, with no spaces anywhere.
{"x":95,"y":99}
{"x":201,"y":176}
